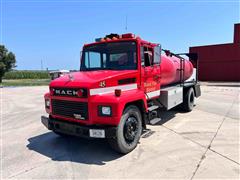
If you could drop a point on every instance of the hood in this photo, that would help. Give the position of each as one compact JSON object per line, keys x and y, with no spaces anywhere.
{"x":92,"y":79}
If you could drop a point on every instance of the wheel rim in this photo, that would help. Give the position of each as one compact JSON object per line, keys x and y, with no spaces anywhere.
{"x":130,"y":129}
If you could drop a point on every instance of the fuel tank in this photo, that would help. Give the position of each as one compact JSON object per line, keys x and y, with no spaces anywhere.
{"x":170,"y":70}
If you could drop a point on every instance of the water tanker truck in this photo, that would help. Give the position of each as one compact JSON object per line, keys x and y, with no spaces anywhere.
{"x":123,"y":85}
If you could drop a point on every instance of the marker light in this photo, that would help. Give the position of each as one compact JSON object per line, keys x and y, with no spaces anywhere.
{"x":114,"y":38}
{"x":118,"y":92}
{"x":128,"y":35}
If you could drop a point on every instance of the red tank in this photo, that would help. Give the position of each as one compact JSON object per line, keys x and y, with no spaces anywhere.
{"x":170,"y":70}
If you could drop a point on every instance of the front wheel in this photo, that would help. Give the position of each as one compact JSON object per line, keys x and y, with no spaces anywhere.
{"x":128,"y":131}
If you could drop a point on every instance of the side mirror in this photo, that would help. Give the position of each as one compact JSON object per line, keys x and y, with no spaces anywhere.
{"x":157,"y":54}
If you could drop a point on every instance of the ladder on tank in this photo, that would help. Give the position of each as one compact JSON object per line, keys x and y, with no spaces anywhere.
{"x":182,"y":70}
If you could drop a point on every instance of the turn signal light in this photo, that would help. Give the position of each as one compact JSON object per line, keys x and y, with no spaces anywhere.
{"x":118,"y":92}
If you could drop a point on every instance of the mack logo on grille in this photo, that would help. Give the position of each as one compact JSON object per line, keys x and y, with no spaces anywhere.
{"x":65,"y":92}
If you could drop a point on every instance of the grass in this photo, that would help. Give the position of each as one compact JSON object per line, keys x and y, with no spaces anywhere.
{"x":25,"y":82}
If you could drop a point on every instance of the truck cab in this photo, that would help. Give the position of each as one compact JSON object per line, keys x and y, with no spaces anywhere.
{"x":119,"y":89}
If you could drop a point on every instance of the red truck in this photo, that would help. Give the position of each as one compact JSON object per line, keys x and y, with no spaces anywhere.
{"x":122,"y":85}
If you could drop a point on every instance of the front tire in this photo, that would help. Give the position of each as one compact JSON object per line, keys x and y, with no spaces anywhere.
{"x":128,"y":131}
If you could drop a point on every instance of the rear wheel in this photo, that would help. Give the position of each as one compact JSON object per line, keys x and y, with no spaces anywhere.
{"x":188,"y":100}
{"x":128,"y":131}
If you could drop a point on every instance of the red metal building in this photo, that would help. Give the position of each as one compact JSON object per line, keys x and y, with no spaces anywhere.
{"x":220,"y":62}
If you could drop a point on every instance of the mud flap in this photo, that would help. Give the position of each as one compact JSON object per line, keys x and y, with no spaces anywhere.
{"x":197,"y":90}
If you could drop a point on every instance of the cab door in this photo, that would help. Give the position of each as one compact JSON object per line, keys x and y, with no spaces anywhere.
{"x":150,"y":70}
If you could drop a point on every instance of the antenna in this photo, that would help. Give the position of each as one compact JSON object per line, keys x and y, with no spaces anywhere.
{"x":41,"y":65}
{"x":126,"y":23}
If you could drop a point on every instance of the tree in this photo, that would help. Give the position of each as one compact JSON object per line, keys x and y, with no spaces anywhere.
{"x":7,"y":61}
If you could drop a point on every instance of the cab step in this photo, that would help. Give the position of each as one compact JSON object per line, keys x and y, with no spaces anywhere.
{"x":152,"y":108}
{"x":155,"y":121}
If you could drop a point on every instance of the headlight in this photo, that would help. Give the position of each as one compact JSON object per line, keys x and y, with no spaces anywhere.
{"x":47,"y":103}
{"x":104,"y":110}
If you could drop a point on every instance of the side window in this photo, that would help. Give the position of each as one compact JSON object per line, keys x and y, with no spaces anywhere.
{"x":146,"y":56}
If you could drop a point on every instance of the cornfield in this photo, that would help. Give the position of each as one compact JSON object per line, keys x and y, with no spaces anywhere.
{"x":26,"y":75}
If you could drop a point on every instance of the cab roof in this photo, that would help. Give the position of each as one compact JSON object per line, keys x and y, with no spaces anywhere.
{"x":118,"y":38}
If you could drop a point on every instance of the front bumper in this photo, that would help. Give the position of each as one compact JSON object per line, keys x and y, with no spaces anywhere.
{"x":76,"y":129}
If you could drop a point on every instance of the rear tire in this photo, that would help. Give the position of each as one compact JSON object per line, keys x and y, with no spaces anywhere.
{"x":128,"y":131}
{"x":188,"y":100}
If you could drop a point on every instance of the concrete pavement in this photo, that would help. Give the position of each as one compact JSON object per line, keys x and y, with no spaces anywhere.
{"x":201,"y":144}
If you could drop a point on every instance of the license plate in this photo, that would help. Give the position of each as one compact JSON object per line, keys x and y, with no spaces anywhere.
{"x":97,"y":133}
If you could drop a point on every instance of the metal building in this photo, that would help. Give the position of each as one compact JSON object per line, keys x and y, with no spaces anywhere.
{"x":219,"y":62}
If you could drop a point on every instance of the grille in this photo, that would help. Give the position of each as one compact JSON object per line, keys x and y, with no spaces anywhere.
{"x":73,"y":109}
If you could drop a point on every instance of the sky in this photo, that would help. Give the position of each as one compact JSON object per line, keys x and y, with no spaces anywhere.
{"x":54,"y":31}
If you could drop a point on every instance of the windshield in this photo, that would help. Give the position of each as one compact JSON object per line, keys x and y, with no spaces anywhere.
{"x":109,"y":56}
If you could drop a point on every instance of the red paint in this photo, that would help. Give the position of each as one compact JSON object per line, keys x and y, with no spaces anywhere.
{"x":220,"y":62}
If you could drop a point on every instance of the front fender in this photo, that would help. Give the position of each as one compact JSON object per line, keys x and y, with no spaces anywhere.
{"x":117,"y":103}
